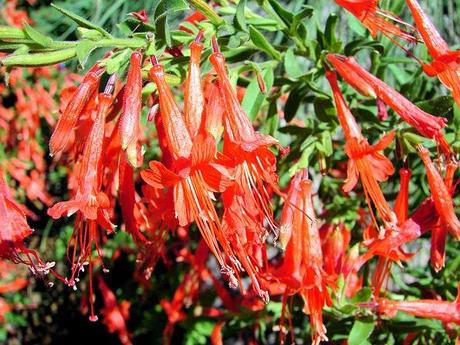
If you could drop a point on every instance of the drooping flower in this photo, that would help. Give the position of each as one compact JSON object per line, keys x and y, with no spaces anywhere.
{"x":426,"y":124}
{"x":13,"y":230}
{"x":193,"y":175}
{"x":440,"y":194}
{"x":67,"y":120}
{"x":439,"y":231}
{"x":338,"y":258}
{"x":401,"y":209}
{"x":247,"y":206}
{"x":88,"y":198}
{"x":446,"y":63}
{"x":193,"y":93}
{"x":302,"y":269}
{"x":131,"y":112}
{"x":401,"y":205}
{"x":254,"y":163}
{"x":377,"y":20}
{"x":365,"y":161}
{"x":429,"y":308}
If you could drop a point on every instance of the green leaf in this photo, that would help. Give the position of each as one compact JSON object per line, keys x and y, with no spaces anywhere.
{"x":163,"y":10}
{"x":326,"y":141}
{"x":253,"y":97}
{"x":281,"y":11}
{"x":37,"y":37}
{"x":89,"y":34}
{"x":439,"y":106}
{"x":291,"y":65}
{"x":304,"y":160}
{"x":363,"y":44}
{"x":261,"y":42}
{"x":293,"y":102}
{"x":305,"y":12}
{"x":113,"y":64}
{"x":166,"y":7}
{"x":324,"y":109}
{"x":81,"y":21}
{"x":360,"y":332}
{"x":362,"y":295}
{"x":240,"y":20}
{"x":9,"y":33}
{"x":84,"y":49}
{"x":329,"y":32}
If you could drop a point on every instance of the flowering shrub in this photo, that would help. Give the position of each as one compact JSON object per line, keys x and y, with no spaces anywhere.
{"x":225,"y":172}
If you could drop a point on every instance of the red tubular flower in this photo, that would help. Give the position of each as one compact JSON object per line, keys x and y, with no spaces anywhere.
{"x":338,"y":259}
{"x":254,"y":163}
{"x":365,"y":162}
{"x":433,"y":309}
{"x":440,"y":194}
{"x":193,"y":95}
{"x":426,"y":124}
{"x":401,"y":206}
{"x":194,"y":174}
{"x":214,"y":109}
{"x":68,"y":119}
{"x":439,"y":231}
{"x":88,"y":198}
{"x":375,"y":19}
{"x":127,"y":195}
{"x":13,"y":230}
{"x":115,"y":315}
{"x":247,"y":207}
{"x":445,"y":62}
{"x":302,"y":267}
{"x":401,"y":209}
{"x":131,"y":112}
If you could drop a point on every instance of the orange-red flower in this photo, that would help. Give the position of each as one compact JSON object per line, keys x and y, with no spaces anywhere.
{"x":365,"y":161}
{"x":429,"y":308}
{"x":440,"y":194}
{"x":302,"y":268}
{"x":401,"y":209}
{"x":445,"y":62}
{"x":13,"y":230}
{"x":88,"y":198}
{"x":67,"y":120}
{"x":194,"y":173}
{"x":131,"y":112}
{"x":193,"y":93}
{"x":253,"y":162}
{"x":338,"y":259}
{"x":426,"y":124}
{"x":377,"y":20}
{"x":439,"y":231}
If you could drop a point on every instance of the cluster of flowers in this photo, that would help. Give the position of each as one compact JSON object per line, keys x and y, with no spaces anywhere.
{"x":212,"y":155}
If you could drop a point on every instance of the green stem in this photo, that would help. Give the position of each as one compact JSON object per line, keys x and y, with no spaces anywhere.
{"x":39,"y":59}
{"x":122,"y":43}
